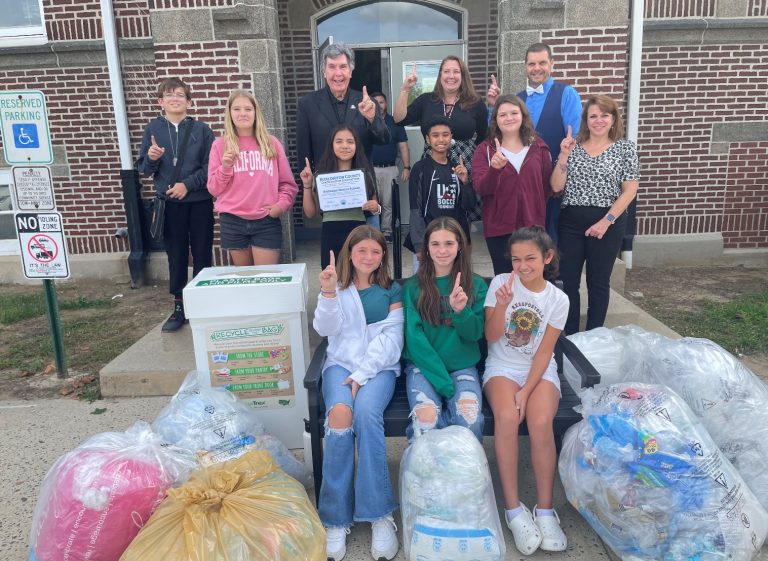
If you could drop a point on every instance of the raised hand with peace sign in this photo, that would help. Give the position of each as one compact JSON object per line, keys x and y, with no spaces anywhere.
{"x":499,"y":160}
{"x":458,"y":298}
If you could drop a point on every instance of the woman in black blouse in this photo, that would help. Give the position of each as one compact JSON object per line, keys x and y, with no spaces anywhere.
{"x":454,"y":97}
{"x":599,"y":172}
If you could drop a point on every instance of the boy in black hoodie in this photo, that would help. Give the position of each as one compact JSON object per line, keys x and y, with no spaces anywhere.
{"x":437,"y":186}
{"x":189,"y":205}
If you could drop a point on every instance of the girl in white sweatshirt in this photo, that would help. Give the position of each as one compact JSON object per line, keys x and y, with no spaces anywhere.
{"x":360,"y":311}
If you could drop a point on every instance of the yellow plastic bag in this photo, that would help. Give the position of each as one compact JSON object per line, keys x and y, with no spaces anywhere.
{"x":245,"y":509}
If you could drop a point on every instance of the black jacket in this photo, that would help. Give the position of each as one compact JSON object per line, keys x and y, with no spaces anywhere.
{"x":194,"y":170}
{"x":317,"y":118}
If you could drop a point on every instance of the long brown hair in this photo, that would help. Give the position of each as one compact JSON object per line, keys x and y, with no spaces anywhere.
{"x":428,"y":304}
{"x":344,"y":269}
{"x":527,"y":130}
{"x":605,"y":103}
{"x":467,"y":94}
{"x":539,"y":237}
{"x":329,"y":162}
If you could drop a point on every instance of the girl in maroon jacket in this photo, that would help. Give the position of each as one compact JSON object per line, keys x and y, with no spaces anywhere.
{"x":510,"y":171}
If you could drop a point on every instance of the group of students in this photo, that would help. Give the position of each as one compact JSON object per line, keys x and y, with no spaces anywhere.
{"x":245,"y":169}
{"x":435,"y":323}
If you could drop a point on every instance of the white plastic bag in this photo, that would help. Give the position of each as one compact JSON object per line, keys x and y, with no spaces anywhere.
{"x":95,"y":499}
{"x":652,"y":483}
{"x":447,"y":500}
{"x":730,"y":400}
{"x":215,"y":425}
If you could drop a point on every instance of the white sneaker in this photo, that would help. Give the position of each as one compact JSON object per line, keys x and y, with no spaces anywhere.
{"x":525,"y":531}
{"x":336,"y":543}
{"x":384,"y":544}
{"x":553,"y":536}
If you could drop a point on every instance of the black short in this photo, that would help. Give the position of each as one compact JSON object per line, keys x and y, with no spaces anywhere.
{"x":240,"y":233}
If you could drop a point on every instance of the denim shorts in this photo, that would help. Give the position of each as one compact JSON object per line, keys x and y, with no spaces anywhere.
{"x":240,"y":233}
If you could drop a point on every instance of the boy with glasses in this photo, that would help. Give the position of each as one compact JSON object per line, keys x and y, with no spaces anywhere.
{"x":189,"y":206}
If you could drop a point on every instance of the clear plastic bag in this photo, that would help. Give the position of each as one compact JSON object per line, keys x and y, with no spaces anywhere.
{"x":94,"y":499}
{"x":246,"y":509}
{"x":652,"y":483}
{"x":728,"y":398}
{"x":447,"y":500}
{"x":215,"y":425}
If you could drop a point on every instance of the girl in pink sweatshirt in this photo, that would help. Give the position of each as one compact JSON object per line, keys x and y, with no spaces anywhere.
{"x":250,"y":177}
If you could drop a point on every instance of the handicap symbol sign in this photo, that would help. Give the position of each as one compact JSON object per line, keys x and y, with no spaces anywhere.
{"x":25,"y":135}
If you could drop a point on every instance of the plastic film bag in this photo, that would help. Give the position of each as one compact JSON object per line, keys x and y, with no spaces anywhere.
{"x":94,"y":499}
{"x":649,"y":479}
{"x":246,"y":509}
{"x":728,"y":398}
{"x":215,"y":425}
{"x":447,"y":500}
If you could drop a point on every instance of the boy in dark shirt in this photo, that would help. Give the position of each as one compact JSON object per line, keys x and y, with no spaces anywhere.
{"x":189,"y":205}
{"x":437,"y":186}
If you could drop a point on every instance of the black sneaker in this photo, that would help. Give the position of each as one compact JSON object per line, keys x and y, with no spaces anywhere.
{"x":177,"y":318}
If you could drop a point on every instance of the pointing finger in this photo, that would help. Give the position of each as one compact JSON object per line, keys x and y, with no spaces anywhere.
{"x":333,"y":260}
{"x":154,"y":142}
{"x":510,"y":280}
{"x":306,"y":162}
{"x":498,"y":145}
{"x":413,"y":72}
{"x":365,"y":93}
{"x":457,"y":284}
{"x":570,"y":131}
{"x":493,"y":81}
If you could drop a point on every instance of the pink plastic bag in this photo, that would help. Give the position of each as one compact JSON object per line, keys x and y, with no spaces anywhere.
{"x":95,"y":499}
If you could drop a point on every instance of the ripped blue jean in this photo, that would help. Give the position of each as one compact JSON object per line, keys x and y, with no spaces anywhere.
{"x":371,"y":497}
{"x":467,"y":384}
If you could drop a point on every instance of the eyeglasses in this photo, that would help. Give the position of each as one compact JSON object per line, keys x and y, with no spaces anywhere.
{"x":172,"y":95}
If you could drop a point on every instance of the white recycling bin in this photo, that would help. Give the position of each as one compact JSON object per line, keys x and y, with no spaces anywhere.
{"x":249,"y":328}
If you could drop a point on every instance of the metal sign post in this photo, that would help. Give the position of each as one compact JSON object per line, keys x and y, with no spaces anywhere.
{"x":44,"y":256}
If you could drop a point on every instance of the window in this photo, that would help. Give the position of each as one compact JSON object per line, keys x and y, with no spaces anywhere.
{"x":22,"y":23}
{"x":8,"y":242}
{"x":390,"y":22}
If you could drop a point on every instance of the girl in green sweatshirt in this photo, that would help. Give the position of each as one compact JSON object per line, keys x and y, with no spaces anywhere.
{"x":444,"y":316}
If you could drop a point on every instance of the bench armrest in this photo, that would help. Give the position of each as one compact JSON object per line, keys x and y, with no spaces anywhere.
{"x":315,"y":369}
{"x":589,"y":374}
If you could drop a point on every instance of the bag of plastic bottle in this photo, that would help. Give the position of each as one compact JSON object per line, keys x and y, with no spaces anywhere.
{"x":246,"y":509}
{"x":728,"y":398}
{"x":215,"y":425}
{"x":649,"y":479}
{"x":447,"y":500}
{"x":95,"y":499}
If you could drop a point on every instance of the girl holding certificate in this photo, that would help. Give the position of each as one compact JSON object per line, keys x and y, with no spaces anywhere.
{"x":344,"y":152}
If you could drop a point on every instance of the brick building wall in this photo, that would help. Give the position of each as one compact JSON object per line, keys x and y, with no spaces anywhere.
{"x":298,"y":77}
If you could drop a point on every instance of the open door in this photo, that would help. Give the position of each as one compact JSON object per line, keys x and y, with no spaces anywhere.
{"x":427,"y":60}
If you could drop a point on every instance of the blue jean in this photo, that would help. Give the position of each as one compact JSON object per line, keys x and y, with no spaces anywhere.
{"x":372,"y":496}
{"x":467,"y":385}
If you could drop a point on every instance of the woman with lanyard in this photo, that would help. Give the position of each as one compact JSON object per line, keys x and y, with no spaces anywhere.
{"x":454,"y":97}
{"x":599,"y":174}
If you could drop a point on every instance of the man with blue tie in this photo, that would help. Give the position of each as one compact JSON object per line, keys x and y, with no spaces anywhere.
{"x":554,"y":106}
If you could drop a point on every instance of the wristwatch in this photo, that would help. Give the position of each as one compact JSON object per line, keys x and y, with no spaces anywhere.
{"x":610,"y":218}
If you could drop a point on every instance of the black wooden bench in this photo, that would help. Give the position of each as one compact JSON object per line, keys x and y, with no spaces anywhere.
{"x":397,"y":414}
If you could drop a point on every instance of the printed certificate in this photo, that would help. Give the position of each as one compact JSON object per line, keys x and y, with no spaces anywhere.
{"x":341,"y":189}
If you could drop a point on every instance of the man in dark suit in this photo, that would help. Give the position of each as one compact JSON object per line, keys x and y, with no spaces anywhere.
{"x":322,"y":110}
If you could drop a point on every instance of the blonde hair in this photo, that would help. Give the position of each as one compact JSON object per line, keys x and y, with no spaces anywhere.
{"x":260,"y":132}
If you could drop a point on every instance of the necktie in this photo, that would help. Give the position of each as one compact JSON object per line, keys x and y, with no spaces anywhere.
{"x":530,"y":91}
